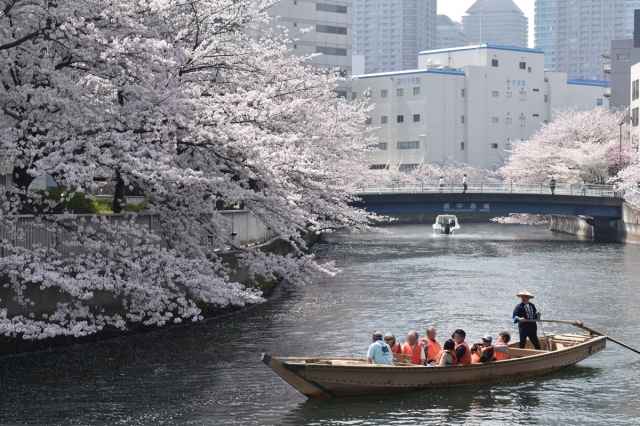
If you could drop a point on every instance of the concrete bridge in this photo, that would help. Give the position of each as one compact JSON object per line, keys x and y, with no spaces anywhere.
{"x":415,"y":201}
{"x":598,"y":212}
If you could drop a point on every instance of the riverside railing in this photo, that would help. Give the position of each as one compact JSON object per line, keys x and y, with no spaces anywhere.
{"x":492,"y":188}
{"x":244,"y":227}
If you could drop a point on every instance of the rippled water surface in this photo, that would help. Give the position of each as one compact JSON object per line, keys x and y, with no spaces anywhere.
{"x":406,"y":279}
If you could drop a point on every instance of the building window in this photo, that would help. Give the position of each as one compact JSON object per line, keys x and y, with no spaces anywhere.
{"x":623,"y":56}
{"x":323,"y":7}
{"x":295,"y":24}
{"x":508,"y":120}
{"x":354,"y":95}
{"x":400,"y":92}
{"x":523,"y":121}
{"x":409,"y":145}
{"x":635,"y":87}
{"x":382,"y":146}
{"x":378,"y":166}
{"x":546,"y":98}
{"x":461,"y":146}
{"x":634,"y":117}
{"x":407,"y":167}
{"x":336,"y":51}
{"x":462,"y":93}
{"x":416,"y":91}
{"x":508,"y":95}
{"x":494,"y":62}
{"x":523,"y":65}
{"x":416,"y":118}
{"x":494,"y":119}
{"x":384,"y":119}
{"x":384,"y":93}
{"x":523,"y":95}
{"x":494,"y":146}
{"x":536,"y":115}
{"x":494,"y":94}
{"x":369,"y":121}
{"x":536,"y":90}
{"x":329,"y":29}
{"x":400,"y":119}
{"x":529,"y":70}
{"x":599,"y":102}
{"x":462,"y":119}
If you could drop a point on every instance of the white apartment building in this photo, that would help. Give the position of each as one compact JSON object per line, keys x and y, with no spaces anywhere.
{"x":331,"y":32}
{"x":498,"y":22}
{"x":390,"y":34}
{"x":449,"y":33}
{"x":467,"y":104}
{"x":574,"y":34}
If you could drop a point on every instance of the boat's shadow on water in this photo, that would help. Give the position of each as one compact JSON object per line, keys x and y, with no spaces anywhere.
{"x":513,"y":402}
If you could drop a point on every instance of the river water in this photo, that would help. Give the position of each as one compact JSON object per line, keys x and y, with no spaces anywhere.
{"x":408,"y":278}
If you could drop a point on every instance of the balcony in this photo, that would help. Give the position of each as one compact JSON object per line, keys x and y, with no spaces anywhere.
{"x":606,"y":91}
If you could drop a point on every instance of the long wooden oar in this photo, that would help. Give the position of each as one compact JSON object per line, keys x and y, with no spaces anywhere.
{"x":579,"y":324}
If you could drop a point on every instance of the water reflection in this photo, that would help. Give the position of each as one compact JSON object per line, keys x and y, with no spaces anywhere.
{"x":408,"y":279}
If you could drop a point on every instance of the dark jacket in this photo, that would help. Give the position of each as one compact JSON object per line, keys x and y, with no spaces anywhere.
{"x":521,"y":312}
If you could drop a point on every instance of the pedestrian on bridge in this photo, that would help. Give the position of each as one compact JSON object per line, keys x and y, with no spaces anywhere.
{"x":441,"y":184}
{"x":584,"y":189}
{"x":464,"y":184}
{"x":552,"y":185}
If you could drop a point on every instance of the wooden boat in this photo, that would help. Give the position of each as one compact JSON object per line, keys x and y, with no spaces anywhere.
{"x":446,"y":224}
{"x":340,"y":377}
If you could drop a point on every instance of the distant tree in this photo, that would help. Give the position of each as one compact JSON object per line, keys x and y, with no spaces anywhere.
{"x":576,"y":146}
{"x":178,"y":101}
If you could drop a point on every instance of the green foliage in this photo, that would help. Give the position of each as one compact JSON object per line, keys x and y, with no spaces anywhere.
{"x":79,"y":203}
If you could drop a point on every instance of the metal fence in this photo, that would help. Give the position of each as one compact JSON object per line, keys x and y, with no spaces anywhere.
{"x":493,"y":188}
{"x":244,"y":227}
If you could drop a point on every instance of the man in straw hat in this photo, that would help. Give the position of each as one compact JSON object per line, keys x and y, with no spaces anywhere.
{"x":526,"y":311}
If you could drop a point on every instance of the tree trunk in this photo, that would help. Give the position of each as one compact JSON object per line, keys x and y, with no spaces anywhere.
{"x":119,"y":201}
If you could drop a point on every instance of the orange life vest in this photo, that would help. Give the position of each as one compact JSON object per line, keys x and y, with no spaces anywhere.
{"x":501,"y":356}
{"x":433,"y":348}
{"x":475,"y":357}
{"x":442,"y":352}
{"x":396,"y":349}
{"x":414,"y":352}
{"x":466,"y":358}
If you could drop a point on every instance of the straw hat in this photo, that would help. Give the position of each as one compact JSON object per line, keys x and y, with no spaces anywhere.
{"x":525,"y":293}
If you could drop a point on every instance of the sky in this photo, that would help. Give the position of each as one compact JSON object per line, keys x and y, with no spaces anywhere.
{"x":455,"y":9}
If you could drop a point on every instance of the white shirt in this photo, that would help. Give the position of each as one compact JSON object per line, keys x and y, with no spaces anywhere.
{"x":441,"y":181}
{"x":464,"y":179}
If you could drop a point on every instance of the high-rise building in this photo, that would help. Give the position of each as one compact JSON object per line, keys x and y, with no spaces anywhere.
{"x":632,"y":5}
{"x":449,"y":33}
{"x":575,"y":34}
{"x":390,"y":34}
{"x":330,"y":23}
{"x":499,"y":22}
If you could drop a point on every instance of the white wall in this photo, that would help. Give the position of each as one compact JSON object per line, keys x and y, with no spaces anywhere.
{"x":500,"y":104}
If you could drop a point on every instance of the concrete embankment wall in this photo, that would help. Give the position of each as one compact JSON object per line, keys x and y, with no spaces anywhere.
{"x":573,"y":225}
{"x":625,"y":230}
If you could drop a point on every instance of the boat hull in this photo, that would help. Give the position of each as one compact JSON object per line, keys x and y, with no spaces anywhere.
{"x":342,"y":377}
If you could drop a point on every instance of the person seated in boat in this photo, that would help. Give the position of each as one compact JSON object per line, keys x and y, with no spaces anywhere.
{"x":501,"y":348}
{"x":447,"y":356}
{"x":433,"y":347}
{"x":415,"y":349}
{"x":463,"y":353}
{"x":483,"y":352}
{"x":379,"y":351}
{"x":390,"y":340}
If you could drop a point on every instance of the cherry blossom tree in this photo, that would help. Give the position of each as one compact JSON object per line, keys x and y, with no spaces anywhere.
{"x":184,"y":103}
{"x":577,"y":146}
